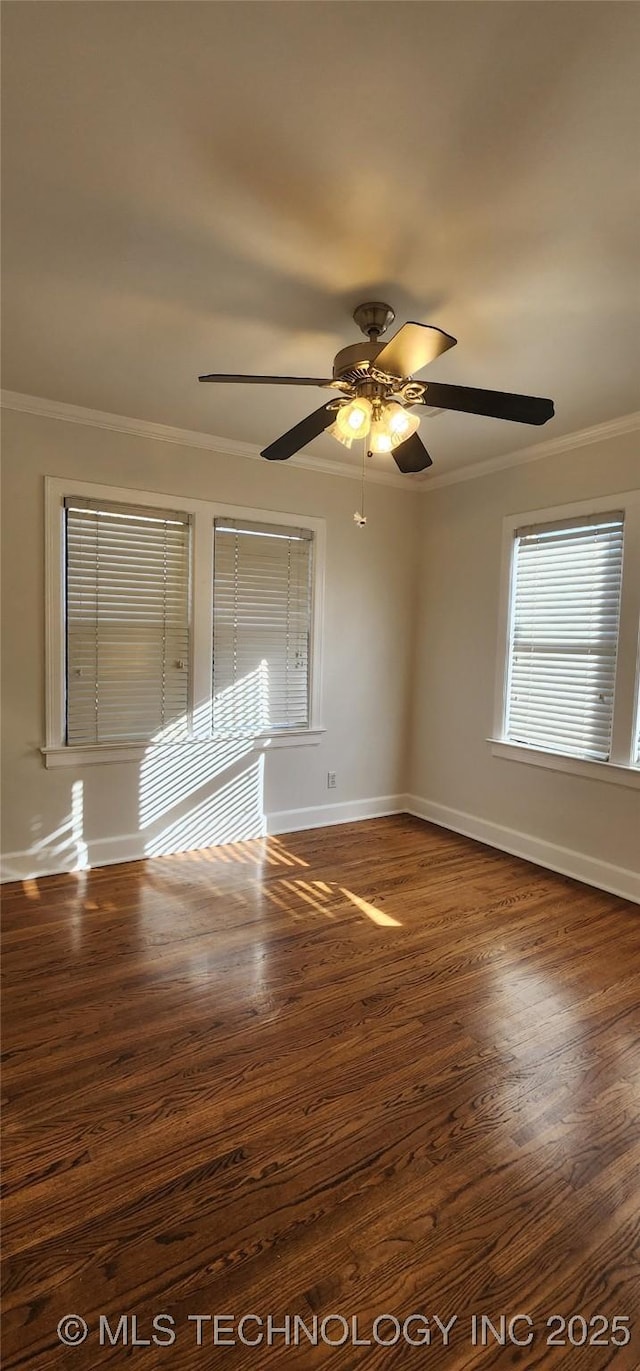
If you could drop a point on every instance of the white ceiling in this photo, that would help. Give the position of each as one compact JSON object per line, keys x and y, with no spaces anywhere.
{"x":198,"y":187}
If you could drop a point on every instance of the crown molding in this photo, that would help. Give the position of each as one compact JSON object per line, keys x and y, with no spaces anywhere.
{"x":551,"y":447}
{"x":229,"y":447}
{"x":187,"y":437}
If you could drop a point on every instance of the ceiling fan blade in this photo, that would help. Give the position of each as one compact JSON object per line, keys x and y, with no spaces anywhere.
{"x":270,"y":380}
{"x":298,"y":436}
{"x":412,"y":455}
{"x":496,"y":404}
{"x":412,"y":348}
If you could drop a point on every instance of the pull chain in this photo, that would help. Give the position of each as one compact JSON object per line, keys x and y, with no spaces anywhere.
{"x":360,"y":517}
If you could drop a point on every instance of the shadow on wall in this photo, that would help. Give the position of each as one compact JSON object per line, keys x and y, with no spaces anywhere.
{"x":202,"y":795}
{"x":64,"y":849}
{"x":191,"y":795}
{"x":189,"y":801}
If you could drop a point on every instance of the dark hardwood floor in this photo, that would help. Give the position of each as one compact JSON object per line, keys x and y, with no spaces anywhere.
{"x":369,"y":1070}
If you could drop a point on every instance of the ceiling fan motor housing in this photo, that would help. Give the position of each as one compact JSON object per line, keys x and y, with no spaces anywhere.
{"x":350,"y":362}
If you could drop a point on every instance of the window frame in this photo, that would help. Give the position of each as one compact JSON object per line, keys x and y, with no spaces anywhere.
{"x":621,"y":767}
{"x":56,"y":751}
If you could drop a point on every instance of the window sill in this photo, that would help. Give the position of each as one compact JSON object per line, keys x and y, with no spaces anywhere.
{"x":613,"y":772}
{"x":304,"y":737}
{"x":101,"y":753}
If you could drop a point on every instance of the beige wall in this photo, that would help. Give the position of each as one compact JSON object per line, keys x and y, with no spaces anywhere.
{"x":369,"y":588}
{"x":452,"y":716}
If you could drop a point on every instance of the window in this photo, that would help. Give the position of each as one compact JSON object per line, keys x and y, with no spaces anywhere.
{"x":567,"y":683}
{"x":261,"y":627}
{"x":177,"y":627}
{"x":564,"y":635}
{"x":127,"y":621}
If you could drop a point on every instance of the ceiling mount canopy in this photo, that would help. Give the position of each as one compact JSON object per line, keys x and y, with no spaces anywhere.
{"x":374,"y":318}
{"x":378,"y":389}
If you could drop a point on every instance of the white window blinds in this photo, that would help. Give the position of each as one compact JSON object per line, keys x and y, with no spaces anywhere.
{"x":127,"y":622}
{"x":564,"y":633}
{"x":261,"y":626}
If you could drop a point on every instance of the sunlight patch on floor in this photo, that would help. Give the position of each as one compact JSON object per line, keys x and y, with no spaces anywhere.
{"x":372,"y":912}
{"x":321,"y":894}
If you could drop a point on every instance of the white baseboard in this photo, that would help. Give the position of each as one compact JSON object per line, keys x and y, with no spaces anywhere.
{"x":347,"y":812}
{"x":48,"y":861}
{"x":134,"y":847}
{"x":617,"y":880}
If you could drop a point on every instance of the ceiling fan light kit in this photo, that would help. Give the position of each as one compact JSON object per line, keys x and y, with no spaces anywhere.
{"x":378,"y":389}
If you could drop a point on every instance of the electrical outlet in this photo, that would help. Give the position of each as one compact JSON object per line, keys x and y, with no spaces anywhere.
{"x":331,"y":780}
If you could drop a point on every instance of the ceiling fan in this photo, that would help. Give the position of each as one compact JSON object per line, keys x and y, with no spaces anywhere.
{"x":378,"y":391}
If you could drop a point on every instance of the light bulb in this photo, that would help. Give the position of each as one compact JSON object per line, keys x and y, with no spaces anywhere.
{"x":354,"y":419}
{"x":399,"y":423}
{"x":380,"y":440}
